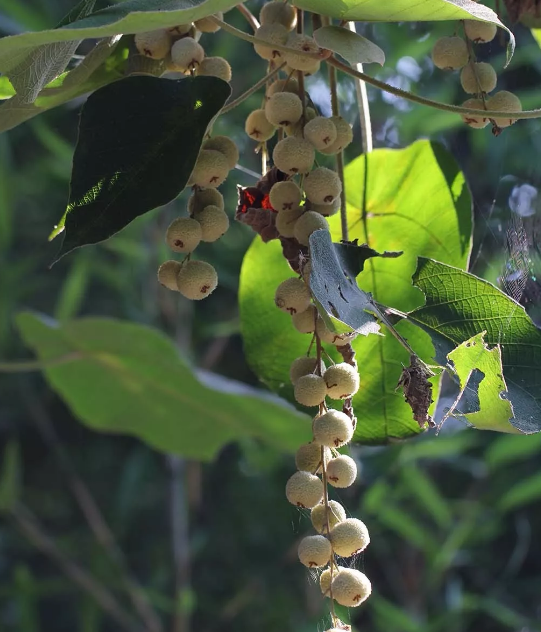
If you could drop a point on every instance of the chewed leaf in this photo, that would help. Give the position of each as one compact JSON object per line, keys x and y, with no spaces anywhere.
{"x":353,"y":47}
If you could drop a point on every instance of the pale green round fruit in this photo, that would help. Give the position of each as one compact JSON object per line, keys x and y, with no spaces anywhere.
{"x":273,"y":34}
{"x":303,"y":44}
{"x":321,"y":132}
{"x":504,"y":101}
{"x":153,"y":44}
{"x":322,"y":186}
{"x":344,"y":136}
{"x":293,"y":155}
{"x":476,"y":121}
{"x":333,"y":429}
{"x":304,"y":490}
{"x":314,"y":551}
{"x":478,"y":77}
{"x":283,"y":108}
{"x":205,"y":25}
{"x":183,"y":235}
{"x":349,"y":537}
{"x":285,"y":221}
{"x":305,"y":322}
{"x":304,"y":366}
{"x":258,"y":127}
{"x":350,"y":587}
{"x":180,"y":29}
{"x":211,"y":169}
{"x":186,"y":53}
{"x":214,"y":67}
{"x":307,"y":224}
{"x":310,"y":390}
{"x":480,"y":32}
{"x":325,"y":585}
{"x":283,"y":85}
{"x":214,"y":223}
{"x":308,"y":457}
{"x":319,"y":516}
{"x":342,"y":381}
{"x":331,"y":337}
{"x":341,"y":471}
{"x":224,"y":145}
{"x":204,"y":197}
{"x":285,"y":196}
{"x":297,"y":129}
{"x":167,"y":274}
{"x":326,"y":209}
{"x":292,"y":296}
{"x":278,"y":12}
{"x":450,"y":53}
{"x":197,"y":280}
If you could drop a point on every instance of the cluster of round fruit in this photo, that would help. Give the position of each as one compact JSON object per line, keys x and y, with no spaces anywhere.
{"x":179,"y":47}
{"x":478,"y":78}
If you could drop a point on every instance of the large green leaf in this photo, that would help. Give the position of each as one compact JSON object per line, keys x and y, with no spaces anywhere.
{"x":138,"y":142}
{"x":133,"y":16}
{"x":415,"y":200}
{"x":460,"y":305}
{"x":129,"y":379}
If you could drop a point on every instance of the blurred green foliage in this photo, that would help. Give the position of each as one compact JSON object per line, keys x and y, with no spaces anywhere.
{"x":454,"y":519}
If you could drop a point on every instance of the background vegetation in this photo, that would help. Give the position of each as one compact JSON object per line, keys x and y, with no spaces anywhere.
{"x":454,"y":520}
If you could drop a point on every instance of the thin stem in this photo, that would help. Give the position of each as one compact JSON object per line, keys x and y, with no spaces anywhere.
{"x":525,"y":114}
{"x":26,"y":366}
{"x":250,"y":17}
{"x":363,"y":105}
{"x":327,"y":513}
{"x":250,"y":91}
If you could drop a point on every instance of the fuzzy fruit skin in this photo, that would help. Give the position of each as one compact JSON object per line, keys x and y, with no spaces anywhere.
{"x":504,"y":101}
{"x":342,"y":380}
{"x":286,"y":220}
{"x":350,"y":587}
{"x":294,"y":155}
{"x":341,"y":471}
{"x":304,"y":490}
{"x":308,"y":457}
{"x":349,"y":537}
{"x":303,"y":366}
{"x":319,"y":516}
{"x":258,"y":127}
{"x":278,"y":12}
{"x":310,"y":390}
{"x":183,"y":235}
{"x":208,"y":26}
{"x":477,"y":122}
{"x":224,"y":145}
{"x":186,"y":53}
{"x":304,"y":44}
{"x":450,"y":53}
{"x":285,"y":196}
{"x":333,"y":429}
{"x":325,"y":585}
{"x":305,"y":322}
{"x":480,"y":32}
{"x":344,"y":136}
{"x":331,"y":337}
{"x":283,"y":108}
{"x":480,"y":71}
{"x":204,"y":197}
{"x":283,"y":85}
{"x":314,"y":551}
{"x":321,"y":132}
{"x":180,"y":29}
{"x":197,"y":280}
{"x":153,"y":44}
{"x":307,"y":224}
{"x":214,"y":223}
{"x":274,"y":34}
{"x":167,"y":274}
{"x":211,"y":169}
{"x":322,"y":186}
{"x":326,"y":209}
{"x":297,"y":129}
{"x":215,"y":67}
{"x":292,"y":296}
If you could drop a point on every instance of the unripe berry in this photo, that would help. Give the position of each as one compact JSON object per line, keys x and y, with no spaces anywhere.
{"x":180,"y":29}
{"x":224,"y":145}
{"x":273,"y":34}
{"x":450,"y":53}
{"x":310,"y":390}
{"x":183,"y":234}
{"x":258,"y":127}
{"x":342,"y":380}
{"x":196,"y":280}
{"x":283,"y":108}
{"x":319,"y":516}
{"x":208,"y":26}
{"x":297,"y":129}
{"x":305,"y":322}
{"x":313,"y":69}
{"x":304,"y":490}
{"x":283,"y":85}
{"x":294,"y":155}
{"x":321,"y":132}
{"x":307,"y":224}
{"x":341,"y":471}
{"x":211,"y":169}
{"x":480,"y":32}
{"x":304,"y":366}
{"x":344,"y":136}
{"x":322,"y":186}
{"x":304,"y":44}
{"x":325,"y":585}
{"x":167,"y":274}
{"x":292,"y":296}
{"x":475,"y":121}
{"x":315,"y":551}
{"x":278,"y":12}
{"x":186,"y":53}
{"x":308,"y":457}
{"x":504,"y":101}
{"x":153,"y":44}
{"x":215,"y":67}
{"x":201,"y":198}
{"x":286,"y":220}
{"x":326,"y":209}
{"x":332,"y":337}
{"x":478,"y":77}
{"x":350,"y":587}
{"x":213,"y":221}
{"x":285,"y":195}
{"x":333,"y":429}
{"x":349,"y":537}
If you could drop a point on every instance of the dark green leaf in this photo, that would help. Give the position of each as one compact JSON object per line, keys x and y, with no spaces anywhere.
{"x":138,"y":142}
{"x":129,"y":379}
{"x":522,"y":493}
{"x":10,"y":476}
{"x":353,"y":47}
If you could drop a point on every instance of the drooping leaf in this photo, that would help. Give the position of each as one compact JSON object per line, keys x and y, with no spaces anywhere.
{"x":138,"y":142}
{"x":6,"y":89}
{"x":353,"y":47}
{"x":129,"y":379}
{"x":460,"y":305}
{"x":132,"y":16}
